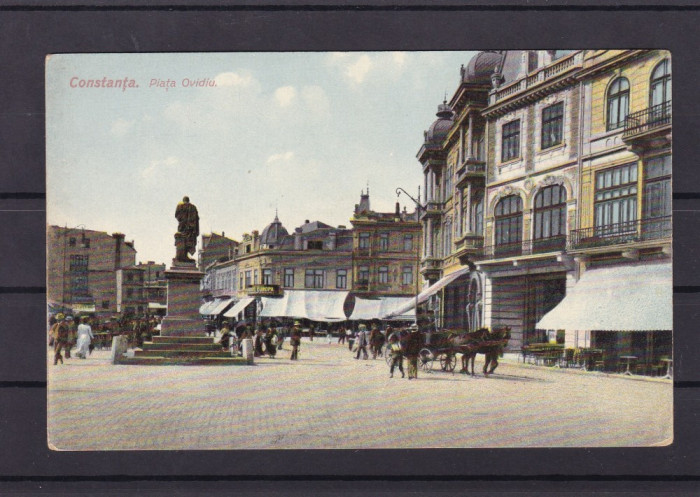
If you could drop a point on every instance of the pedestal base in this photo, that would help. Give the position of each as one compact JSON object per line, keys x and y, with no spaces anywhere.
{"x":182,"y":318}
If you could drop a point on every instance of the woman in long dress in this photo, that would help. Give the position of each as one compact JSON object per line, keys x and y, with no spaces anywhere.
{"x":85,"y":336}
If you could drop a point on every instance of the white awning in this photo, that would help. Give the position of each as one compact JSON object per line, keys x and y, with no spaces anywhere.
{"x":207,"y":306}
{"x":622,"y":298}
{"x":238,"y":307}
{"x":367,"y":309}
{"x":220,"y":307}
{"x":316,"y":305}
{"x":428,"y":292}
{"x":156,"y":305}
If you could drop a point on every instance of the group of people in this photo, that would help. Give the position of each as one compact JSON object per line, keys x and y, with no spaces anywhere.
{"x":267,"y":340}
{"x":400,"y":344}
{"x":64,"y":335}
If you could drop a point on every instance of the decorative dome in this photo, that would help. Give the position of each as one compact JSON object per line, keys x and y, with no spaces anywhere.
{"x":480,"y":68}
{"x":273,"y":233}
{"x":438,"y":130}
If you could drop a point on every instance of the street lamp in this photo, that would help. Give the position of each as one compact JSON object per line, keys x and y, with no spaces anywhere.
{"x":419,"y":207}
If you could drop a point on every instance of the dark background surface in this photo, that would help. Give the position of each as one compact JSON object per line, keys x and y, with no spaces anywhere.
{"x":27,"y":34}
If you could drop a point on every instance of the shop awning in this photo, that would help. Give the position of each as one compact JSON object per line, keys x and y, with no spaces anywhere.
{"x":207,"y":306}
{"x":238,"y":307}
{"x":220,"y":307}
{"x":367,"y":309}
{"x":316,"y":305}
{"x":428,"y":292}
{"x":635,"y":297}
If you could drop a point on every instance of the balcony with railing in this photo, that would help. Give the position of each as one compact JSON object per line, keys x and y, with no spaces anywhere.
{"x":526,"y":247}
{"x":643,"y":230}
{"x":430,"y":267}
{"x":644,"y":122}
{"x":542,"y":75}
{"x":471,"y":169}
{"x":469,"y":246}
{"x":361,"y":285}
{"x":432,"y":209}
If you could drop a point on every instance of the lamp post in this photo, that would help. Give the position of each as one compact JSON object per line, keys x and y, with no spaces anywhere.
{"x":419,"y":207}
{"x":66,"y":231}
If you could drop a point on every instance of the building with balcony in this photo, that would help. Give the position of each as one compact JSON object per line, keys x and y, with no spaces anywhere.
{"x":81,"y":265}
{"x":624,"y":233}
{"x":385,"y":251}
{"x":155,"y":287}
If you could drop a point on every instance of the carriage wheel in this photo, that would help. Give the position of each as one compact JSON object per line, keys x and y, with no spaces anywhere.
{"x":425,"y":360}
{"x":448,"y":362}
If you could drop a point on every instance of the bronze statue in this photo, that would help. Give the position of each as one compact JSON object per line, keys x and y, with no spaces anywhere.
{"x":187,"y":230}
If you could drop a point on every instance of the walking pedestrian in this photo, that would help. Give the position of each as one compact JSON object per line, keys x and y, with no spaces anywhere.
{"x":351,"y":338}
{"x":59,"y":332}
{"x":362,"y":342}
{"x":85,"y":336}
{"x":413,"y":346}
{"x":396,"y":355}
{"x":295,"y":341}
{"x":341,"y":335}
{"x":312,"y":333}
{"x":271,"y":342}
{"x":258,"y":342}
{"x":225,"y":340}
{"x":72,"y":335}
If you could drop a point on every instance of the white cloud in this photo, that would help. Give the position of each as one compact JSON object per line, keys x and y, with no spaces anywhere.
{"x":316,"y":100}
{"x":285,"y":95}
{"x":121,"y":127}
{"x":399,"y":58}
{"x":158,"y":166}
{"x":358,"y":70}
{"x":234,"y":79}
{"x":282,"y":157}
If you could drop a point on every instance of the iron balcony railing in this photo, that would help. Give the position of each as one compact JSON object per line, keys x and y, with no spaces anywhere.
{"x":647,"y":119}
{"x":526,"y":247}
{"x":614,"y":234}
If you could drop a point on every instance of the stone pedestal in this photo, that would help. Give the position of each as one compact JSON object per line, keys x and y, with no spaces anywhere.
{"x":247,"y":348}
{"x":182,"y":317}
{"x":119,"y":348}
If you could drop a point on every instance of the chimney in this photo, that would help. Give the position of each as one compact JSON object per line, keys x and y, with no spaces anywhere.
{"x":398,"y":209}
{"x":223,"y":234}
{"x":297,"y":239}
{"x":306,"y":221}
{"x":118,"y":240}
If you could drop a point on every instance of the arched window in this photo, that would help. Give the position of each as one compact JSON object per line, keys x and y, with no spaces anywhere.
{"x":509,"y":226}
{"x":618,"y":103}
{"x":549,"y":231}
{"x":660,"y":88}
{"x":474,"y":305}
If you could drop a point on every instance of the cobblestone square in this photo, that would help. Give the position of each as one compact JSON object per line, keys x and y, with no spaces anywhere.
{"x":329,"y":400}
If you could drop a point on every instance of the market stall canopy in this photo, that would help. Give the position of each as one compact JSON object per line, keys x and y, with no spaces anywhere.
{"x":367,"y":309}
{"x":220,"y":307}
{"x":427,"y":293}
{"x":316,"y":305}
{"x":624,"y":298}
{"x":238,"y":307}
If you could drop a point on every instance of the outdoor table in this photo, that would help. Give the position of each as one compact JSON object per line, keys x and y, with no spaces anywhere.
{"x":669,"y":368}
{"x":628,"y":361}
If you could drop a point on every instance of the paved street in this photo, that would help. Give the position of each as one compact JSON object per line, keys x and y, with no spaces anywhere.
{"x":329,"y":400}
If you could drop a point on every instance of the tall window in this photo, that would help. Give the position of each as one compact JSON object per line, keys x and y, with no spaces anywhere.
{"x":79,"y":263}
{"x":479,"y":217}
{"x":616,"y":200}
{"x":384,"y":241}
{"x":509,"y":226}
{"x":408,"y":242}
{"x":550,"y":218}
{"x":363,"y":273}
{"x":552,"y":125}
{"x":240,"y":283}
{"x":447,"y":249}
{"x":71,"y":241}
{"x":79,"y":285}
{"x":248,"y":281}
{"x":314,"y":245}
{"x":383,"y":274}
{"x":314,"y":278}
{"x":341,"y":278}
{"x":660,"y":89}
{"x":255,"y":276}
{"x":407,"y":275}
{"x":448,"y":183}
{"x":618,"y":103}
{"x":364,"y":240}
{"x":267,"y":276}
{"x":657,"y":187}
{"x":289,"y":277}
{"x":510,"y":144}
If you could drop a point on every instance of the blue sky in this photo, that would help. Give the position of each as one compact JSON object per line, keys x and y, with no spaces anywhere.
{"x":300,"y":132}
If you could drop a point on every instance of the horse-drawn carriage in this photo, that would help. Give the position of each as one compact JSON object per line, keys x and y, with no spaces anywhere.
{"x":443,"y":346}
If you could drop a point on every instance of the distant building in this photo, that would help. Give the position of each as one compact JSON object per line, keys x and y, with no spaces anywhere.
{"x":130,"y":291}
{"x":216,"y":248}
{"x":386,"y":250}
{"x":155,"y":288}
{"x":81,"y":268}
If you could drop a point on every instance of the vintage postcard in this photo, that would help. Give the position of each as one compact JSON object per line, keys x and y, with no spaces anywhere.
{"x":359,"y":250}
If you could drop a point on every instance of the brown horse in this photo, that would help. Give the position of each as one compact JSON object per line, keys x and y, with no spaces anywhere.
{"x":493,"y":346}
{"x":467,"y":344}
